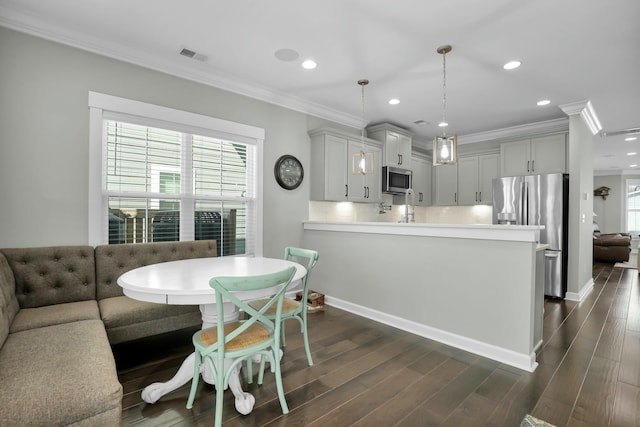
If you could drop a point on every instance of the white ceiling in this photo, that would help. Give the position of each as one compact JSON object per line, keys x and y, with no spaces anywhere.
{"x":571,"y":51}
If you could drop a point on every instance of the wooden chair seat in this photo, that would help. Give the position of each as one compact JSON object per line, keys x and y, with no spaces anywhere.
{"x":255,"y":334}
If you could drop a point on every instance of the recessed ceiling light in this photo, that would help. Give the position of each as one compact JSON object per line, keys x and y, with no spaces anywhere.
{"x":633,"y":166}
{"x":631,"y":154}
{"x":543,"y":102}
{"x":512,"y":65}
{"x":309,"y":64}
{"x":286,"y":55}
{"x":631,"y":138}
{"x":394,"y":101}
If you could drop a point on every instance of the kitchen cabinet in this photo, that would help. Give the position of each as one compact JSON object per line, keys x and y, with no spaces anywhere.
{"x":475,"y":179}
{"x":364,"y":188}
{"x":330,"y":171}
{"x":539,"y":155}
{"x":396,"y":142}
{"x":421,"y":167}
{"x":445,"y":186}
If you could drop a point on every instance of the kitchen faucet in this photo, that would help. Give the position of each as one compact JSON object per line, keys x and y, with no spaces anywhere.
{"x":408,"y":214}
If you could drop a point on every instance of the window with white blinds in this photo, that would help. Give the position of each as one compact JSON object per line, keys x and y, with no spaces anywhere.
{"x":170,"y":181}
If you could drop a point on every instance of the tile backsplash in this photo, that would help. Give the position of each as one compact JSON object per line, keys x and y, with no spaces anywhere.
{"x":370,"y":212}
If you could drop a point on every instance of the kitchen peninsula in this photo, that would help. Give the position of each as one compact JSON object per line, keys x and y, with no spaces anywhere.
{"x":478,"y":287}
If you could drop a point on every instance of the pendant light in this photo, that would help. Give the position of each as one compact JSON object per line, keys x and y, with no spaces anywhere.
{"x":445,"y":148}
{"x":362,"y":161}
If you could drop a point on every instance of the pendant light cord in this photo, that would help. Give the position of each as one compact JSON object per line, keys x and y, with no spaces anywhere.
{"x":444,"y":92}
{"x":362,"y":84}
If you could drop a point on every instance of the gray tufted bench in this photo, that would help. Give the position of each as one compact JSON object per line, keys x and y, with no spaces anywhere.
{"x":60,"y":309}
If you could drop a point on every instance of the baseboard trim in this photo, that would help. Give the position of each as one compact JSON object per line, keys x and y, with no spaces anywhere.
{"x":526,"y":362}
{"x":579,"y":296}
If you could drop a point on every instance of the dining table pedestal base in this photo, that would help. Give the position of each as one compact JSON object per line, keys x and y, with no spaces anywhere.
{"x":244,"y":401}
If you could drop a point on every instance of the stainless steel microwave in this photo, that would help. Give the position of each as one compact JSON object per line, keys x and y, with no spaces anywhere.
{"x":396,"y":180}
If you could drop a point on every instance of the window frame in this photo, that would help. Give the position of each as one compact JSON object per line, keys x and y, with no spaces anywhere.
{"x":103,"y":106}
{"x":628,"y":182}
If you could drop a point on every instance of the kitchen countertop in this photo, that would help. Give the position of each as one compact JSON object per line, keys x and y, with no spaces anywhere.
{"x":519,"y":233}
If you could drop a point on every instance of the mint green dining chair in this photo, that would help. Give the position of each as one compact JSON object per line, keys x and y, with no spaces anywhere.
{"x":292,"y":309}
{"x":256,"y":335}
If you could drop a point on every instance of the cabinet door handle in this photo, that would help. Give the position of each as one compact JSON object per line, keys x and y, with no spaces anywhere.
{"x":346,"y":190}
{"x":533,"y":166}
{"x":480,"y":198}
{"x":399,"y":159}
{"x":420,"y":197}
{"x":476,"y":196}
{"x":455,"y":197}
{"x":528,"y":162}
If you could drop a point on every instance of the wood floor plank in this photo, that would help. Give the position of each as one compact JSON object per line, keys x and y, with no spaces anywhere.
{"x":595,"y":404}
{"x":627,"y":406}
{"x":442,"y":404}
{"x":630,"y":363}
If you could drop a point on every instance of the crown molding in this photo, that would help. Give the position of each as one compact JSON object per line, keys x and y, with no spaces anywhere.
{"x":31,"y":25}
{"x":586,"y":111}
{"x":547,"y":126}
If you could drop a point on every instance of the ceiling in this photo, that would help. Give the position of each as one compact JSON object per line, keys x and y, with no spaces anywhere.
{"x":571,"y":51}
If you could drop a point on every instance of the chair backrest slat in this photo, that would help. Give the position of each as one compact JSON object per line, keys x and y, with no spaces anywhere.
{"x":226,"y":286}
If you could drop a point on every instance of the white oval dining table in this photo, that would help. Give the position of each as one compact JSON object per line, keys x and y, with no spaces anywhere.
{"x":186,"y":282}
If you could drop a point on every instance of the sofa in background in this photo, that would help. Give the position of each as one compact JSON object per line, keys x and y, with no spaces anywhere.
{"x":610,"y":247}
{"x":60,"y":311}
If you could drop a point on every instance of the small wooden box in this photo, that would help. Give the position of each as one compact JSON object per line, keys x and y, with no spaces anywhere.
{"x":314,"y":299}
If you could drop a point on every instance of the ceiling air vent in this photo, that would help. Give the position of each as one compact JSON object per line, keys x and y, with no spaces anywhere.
{"x":193,"y":55}
{"x":188,"y":53}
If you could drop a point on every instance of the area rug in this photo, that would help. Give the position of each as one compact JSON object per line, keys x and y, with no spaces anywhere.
{"x":632,"y":263}
{"x":530,"y":421}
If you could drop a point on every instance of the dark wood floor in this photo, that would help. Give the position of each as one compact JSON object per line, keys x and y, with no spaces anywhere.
{"x":369,"y":374}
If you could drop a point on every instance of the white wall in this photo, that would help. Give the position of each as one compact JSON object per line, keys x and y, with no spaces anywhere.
{"x":610,"y":212}
{"x":580,"y":207}
{"x":45,"y":134}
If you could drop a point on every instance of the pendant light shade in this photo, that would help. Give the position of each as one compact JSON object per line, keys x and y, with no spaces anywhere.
{"x":445,"y":148}
{"x":362,"y":161}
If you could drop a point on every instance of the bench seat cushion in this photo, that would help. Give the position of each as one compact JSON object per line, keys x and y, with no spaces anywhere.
{"x":59,"y":375}
{"x":127,"y":319}
{"x":30,"y":318}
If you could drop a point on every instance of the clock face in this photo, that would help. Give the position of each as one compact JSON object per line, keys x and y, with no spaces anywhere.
{"x":288,"y":172}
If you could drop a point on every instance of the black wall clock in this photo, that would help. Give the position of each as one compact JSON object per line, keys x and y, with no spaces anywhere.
{"x":289,"y":172}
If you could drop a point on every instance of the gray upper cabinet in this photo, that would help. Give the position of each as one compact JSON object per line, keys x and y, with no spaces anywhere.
{"x":421,"y":167}
{"x":475,"y":179}
{"x":445,"y":185}
{"x":534,"y":156}
{"x":396,"y":142}
{"x":331,"y":177}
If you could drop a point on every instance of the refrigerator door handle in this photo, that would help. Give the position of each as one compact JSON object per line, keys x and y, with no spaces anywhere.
{"x":525,"y":204}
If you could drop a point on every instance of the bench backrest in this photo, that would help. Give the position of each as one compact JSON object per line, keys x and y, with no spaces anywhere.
{"x":52,"y":275}
{"x":8,"y":302}
{"x":114,"y":260}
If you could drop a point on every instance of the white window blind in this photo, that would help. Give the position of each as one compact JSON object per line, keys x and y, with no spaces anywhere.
{"x":633,"y":206}
{"x":164,"y":181}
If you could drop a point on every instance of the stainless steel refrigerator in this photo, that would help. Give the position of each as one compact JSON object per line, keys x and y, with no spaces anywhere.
{"x":539,"y":200}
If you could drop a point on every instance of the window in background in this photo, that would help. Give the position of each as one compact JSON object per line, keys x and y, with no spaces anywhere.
{"x":171,"y":181}
{"x":633,"y":206}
